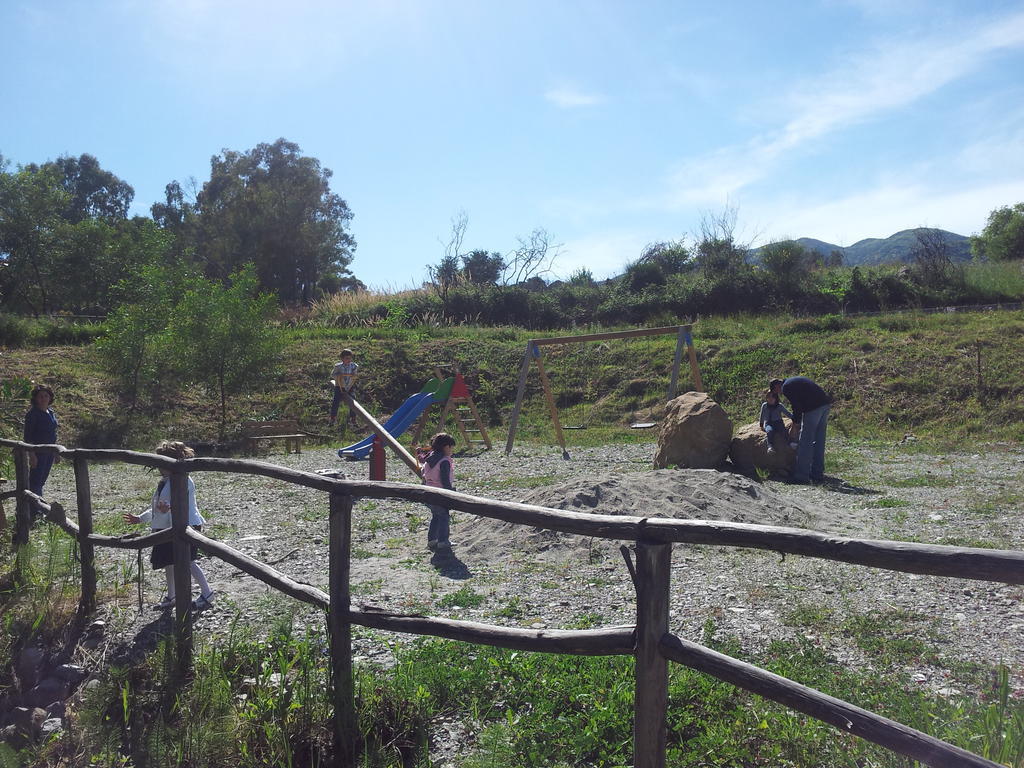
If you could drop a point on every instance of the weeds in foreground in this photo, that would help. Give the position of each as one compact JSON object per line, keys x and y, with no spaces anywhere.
{"x":267,"y":703}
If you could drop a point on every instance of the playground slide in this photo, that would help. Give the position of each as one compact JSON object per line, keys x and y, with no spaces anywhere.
{"x":400,"y":421}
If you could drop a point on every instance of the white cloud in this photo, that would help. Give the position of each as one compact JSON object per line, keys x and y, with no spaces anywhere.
{"x":884,"y":210}
{"x":998,"y":154}
{"x":891,"y":75}
{"x":571,"y":97}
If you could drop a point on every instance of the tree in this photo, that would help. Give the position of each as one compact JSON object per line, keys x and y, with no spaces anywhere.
{"x":222,"y":335}
{"x":134,"y":337}
{"x":1003,"y":236}
{"x":65,"y":218}
{"x":672,"y":256}
{"x":93,"y":193}
{"x":533,"y":258}
{"x":787,"y":261}
{"x":717,"y":253}
{"x":270,"y":206}
{"x":933,"y":263}
{"x":482,"y":268}
{"x":31,"y":202}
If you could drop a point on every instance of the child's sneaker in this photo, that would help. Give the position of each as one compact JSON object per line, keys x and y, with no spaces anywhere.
{"x":203,"y":602}
{"x":165,"y":603}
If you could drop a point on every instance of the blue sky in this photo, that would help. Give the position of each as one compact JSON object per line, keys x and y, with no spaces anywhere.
{"x":610,"y":124}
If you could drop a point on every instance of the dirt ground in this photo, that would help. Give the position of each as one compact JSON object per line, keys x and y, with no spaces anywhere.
{"x":530,"y":578}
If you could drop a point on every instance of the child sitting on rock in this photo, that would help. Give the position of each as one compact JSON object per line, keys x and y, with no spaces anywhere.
{"x":771,"y":421}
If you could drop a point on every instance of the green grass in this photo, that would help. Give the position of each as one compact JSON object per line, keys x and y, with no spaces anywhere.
{"x":513,"y":609}
{"x":265,"y":702}
{"x":538,"y":481}
{"x":891,"y":375}
{"x":892,"y":637}
{"x":812,"y":615}
{"x":261,"y":701}
{"x":465,"y":597}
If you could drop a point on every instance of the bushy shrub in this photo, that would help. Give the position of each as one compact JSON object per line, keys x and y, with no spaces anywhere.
{"x":16,"y":332}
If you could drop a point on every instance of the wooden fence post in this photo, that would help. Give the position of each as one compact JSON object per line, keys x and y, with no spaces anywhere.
{"x":22,"y":506}
{"x":698,"y":385}
{"x":653,"y":572}
{"x":524,"y":371}
{"x":86,"y":551}
{"x":680,"y":343}
{"x":182,"y":572}
{"x":340,"y":630}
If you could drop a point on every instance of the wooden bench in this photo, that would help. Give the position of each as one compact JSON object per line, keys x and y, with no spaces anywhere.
{"x":253,"y":432}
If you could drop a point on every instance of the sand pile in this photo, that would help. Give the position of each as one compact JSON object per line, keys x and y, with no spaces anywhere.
{"x":691,"y":494}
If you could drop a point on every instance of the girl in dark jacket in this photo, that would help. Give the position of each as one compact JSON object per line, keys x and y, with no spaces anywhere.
{"x":40,"y":429}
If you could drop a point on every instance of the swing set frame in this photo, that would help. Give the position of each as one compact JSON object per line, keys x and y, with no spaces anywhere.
{"x":533,"y":352}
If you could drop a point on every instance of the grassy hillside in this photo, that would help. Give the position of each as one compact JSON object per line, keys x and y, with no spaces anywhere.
{"x":890,"y":375}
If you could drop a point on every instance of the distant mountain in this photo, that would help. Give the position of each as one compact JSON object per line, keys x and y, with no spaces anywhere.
{"x":898,"y":248}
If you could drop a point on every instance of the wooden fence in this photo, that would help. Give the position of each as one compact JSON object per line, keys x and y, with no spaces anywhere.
{"x":649,"y":640}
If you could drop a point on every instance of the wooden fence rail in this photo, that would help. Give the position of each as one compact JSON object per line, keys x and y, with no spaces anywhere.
{"x":649,"y":641}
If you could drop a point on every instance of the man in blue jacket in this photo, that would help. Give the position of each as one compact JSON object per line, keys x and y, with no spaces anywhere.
{"x":810,"y":405}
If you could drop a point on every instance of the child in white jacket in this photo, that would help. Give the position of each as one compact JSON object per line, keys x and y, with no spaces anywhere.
{"x":159,"y":518}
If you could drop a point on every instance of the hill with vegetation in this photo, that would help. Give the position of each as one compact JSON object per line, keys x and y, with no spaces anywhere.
{"x":898,"y":248}
{"x":947,"y":376}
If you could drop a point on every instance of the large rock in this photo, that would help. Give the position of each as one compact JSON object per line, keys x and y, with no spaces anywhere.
{"x":694,"y":434}
{"x":28,"y":666}
{"x":49,"y":690}
{"x":749,"y":450}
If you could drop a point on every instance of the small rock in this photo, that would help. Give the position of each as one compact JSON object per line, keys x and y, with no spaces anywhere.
{"x":51,"y":727}
{"x":27,"y":721}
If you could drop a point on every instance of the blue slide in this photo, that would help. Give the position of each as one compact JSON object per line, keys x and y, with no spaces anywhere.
{"x":400,"y":421}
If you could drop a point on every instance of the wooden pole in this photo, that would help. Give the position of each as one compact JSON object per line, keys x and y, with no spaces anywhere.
{"x":551,"y":403}
{"x":480,"y":425}
{"x":22,"y":506}
{"x":653,"y":571}
{"x":339,"y":627}
{"x":605,"y":335}
{"x":182,"y":572}
{"x":698,"y":385}
{"x":86,"y":551}
{"x":680,"y":343}
{"x":387,"y":437}
{"x":524,"y":370}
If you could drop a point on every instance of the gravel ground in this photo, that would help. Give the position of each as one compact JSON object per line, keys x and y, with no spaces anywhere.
{"x":898,"y":492}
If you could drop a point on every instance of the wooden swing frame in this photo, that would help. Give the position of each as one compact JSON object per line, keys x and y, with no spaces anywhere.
{"x":533,"y":352}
